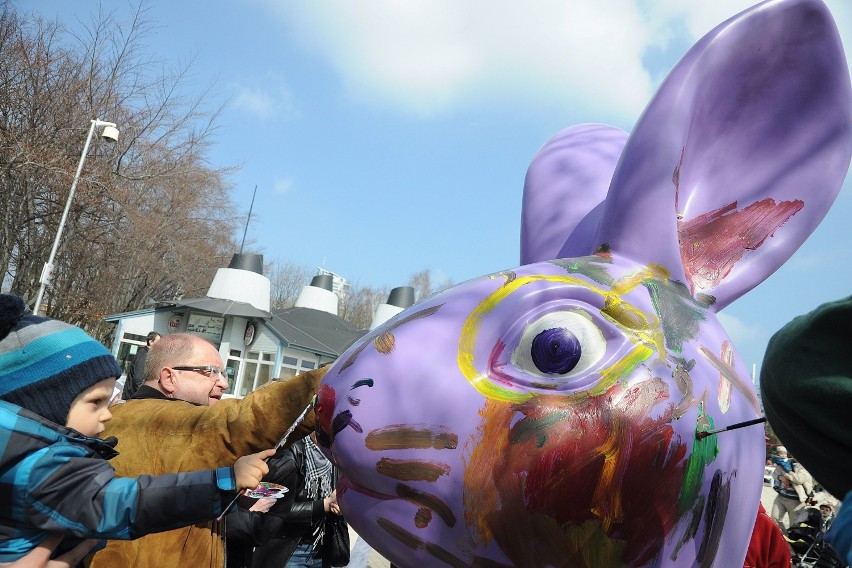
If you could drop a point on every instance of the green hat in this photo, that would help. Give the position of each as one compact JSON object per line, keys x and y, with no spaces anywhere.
{"x":806,"y":386}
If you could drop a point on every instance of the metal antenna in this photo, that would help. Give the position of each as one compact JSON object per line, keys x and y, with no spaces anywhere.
{"x":248,"y":219}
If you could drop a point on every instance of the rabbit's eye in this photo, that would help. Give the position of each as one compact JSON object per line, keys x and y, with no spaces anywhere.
{"x":561,"y":343}
{"x":556,"y":350}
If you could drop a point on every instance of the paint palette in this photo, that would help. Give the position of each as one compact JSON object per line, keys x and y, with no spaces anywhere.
{"x":266,"y":490}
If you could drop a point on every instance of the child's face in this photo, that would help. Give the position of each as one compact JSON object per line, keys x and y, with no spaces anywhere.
{"x":89,"y":411}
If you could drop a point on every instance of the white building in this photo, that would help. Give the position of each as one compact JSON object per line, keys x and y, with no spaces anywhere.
{"x":256,"y":344}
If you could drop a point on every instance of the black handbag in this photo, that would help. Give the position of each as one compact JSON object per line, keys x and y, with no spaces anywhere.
{"x":335,"y":541}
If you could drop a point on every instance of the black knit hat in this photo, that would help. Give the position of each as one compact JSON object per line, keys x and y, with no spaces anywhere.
{"x":806,"y":386}
{"x":45,"y":363}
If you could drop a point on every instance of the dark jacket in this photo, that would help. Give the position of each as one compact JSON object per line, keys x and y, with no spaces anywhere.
{"x":136,"y":374}
{"x":55,"y":479}
{"x":299,"y":516}
{"x":247,"y":529}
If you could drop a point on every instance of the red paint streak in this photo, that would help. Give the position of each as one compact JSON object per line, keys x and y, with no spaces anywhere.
{"x":599,"y":460}
{"x":712,"y":243}
{"x":495,"y":369}
{"x":571,"y":481}
{"x":324,"y":407}
{"x":343,"y":485}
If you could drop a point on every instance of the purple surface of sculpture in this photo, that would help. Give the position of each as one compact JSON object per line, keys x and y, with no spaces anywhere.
{"x":547,"y":415}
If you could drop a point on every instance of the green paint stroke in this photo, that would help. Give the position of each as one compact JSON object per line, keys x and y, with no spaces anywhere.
{"x":679,"y":312}
{"x":593,"y":267}
{"x":529,"y":427}
{"x":703,"y":453}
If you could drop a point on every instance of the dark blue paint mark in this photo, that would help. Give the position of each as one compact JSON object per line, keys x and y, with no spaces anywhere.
{"x":343,"y":420}
{"x":362,"y":383}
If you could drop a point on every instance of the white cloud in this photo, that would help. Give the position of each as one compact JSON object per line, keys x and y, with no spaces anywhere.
{"x":282,"y":186}
{"x":426,"y":56}
{"x":739,"y":331}
{"x":273,"y":100}
{"x":429,"y":56}
{"x":254,"y":101}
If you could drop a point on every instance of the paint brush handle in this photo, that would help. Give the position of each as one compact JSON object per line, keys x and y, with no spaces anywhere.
{"x":280,"y":443}
{"x":702,"y":435}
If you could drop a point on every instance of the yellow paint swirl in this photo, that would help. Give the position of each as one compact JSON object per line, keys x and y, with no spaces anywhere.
{"x":643,"y":330}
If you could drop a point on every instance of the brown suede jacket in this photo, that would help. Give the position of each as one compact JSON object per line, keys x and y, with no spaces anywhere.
{"x":159,"y":435}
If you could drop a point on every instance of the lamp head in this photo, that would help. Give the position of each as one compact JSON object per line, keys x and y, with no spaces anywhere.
{"x":110,"y":133}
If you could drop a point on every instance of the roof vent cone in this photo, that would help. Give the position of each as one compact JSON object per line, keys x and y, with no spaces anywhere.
{"x":247,"y":261}
{"x":318,"y":295}
{"x":398,"y":300}
{"x":324,"y":281}
{"x":243,"y":281}
{"x":401,"y":297}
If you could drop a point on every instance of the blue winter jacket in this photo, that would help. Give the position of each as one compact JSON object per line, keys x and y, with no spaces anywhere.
{"x":54,"y":479}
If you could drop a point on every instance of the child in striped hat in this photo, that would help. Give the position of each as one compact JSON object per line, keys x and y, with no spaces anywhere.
{"x":55,"y":386}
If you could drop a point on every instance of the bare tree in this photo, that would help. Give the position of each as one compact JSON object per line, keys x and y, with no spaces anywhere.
{"x":423,"y":284}
{"x":360,"y":305}
{"x":151,"y":218}
{"x":286,"y":281}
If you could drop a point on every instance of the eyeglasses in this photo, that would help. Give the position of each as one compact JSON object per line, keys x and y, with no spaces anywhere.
{"x":208,"y":370}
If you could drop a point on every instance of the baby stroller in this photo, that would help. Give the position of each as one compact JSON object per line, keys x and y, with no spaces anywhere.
{"x":807,"y":541}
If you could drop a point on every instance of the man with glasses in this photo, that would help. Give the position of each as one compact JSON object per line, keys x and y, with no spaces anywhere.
{"x":177,"y":421}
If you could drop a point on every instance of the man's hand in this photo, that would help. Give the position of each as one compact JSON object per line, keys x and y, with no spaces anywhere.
{"x":249,"y":470}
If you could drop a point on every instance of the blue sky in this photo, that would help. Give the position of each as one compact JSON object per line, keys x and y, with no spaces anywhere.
{"x":388,"y":137}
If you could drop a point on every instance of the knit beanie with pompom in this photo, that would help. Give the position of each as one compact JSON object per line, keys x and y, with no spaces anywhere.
{"x":45,"y":363}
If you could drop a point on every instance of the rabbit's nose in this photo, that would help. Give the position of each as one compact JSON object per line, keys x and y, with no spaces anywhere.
{"x":324,"y":409}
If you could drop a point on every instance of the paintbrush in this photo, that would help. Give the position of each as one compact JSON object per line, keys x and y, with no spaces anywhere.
{"x":702,"y":435}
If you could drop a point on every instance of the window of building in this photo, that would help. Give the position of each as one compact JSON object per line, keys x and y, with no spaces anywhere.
{"x":127,"y":348}
{"x":257,"y":371}
{"x":291,"y":366}
{"x":233,"y":365}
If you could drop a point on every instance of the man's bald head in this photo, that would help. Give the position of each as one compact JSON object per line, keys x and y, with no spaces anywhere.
{"x":186,"y":367}
{"x":171,"y":350}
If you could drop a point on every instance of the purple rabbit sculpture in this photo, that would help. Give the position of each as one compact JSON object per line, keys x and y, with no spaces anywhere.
{"x":548,"y":415}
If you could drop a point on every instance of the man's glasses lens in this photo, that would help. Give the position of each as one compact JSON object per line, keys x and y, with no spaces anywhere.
{"x":208,"y":370}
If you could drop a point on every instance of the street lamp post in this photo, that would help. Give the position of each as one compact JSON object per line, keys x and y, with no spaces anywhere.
{"x":110,"y":132}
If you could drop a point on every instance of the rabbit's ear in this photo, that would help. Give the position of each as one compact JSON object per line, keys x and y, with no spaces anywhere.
{"x":566,"y":182}
{"x":740,"y":154}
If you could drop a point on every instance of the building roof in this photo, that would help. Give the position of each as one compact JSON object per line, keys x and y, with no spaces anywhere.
{"x":223,"y":307}
{"x":314,"y":330}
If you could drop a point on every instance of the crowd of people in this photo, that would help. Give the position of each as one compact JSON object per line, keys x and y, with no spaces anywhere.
{"x":801,"y":513}
{"x":186,"y":453}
